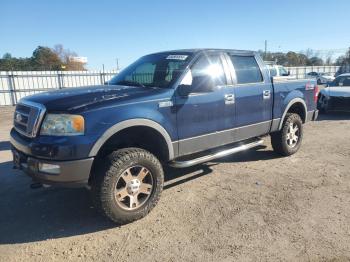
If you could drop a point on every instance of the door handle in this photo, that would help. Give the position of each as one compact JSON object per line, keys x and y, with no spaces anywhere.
{"x":229,"y":99}
{"x":266,"y":94}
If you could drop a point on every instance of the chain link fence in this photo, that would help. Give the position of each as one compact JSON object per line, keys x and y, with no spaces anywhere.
{"x":17,"y":84}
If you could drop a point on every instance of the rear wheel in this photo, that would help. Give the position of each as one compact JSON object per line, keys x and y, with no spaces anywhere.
{"x":128,"y":185}
{"x":288,"y":140}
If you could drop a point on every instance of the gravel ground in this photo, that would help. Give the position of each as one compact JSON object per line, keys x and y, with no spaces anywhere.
{"x":252,"y":206}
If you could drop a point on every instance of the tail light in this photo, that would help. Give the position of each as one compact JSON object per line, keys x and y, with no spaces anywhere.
{"x":314,"y":87}
{"x":316,"y":90}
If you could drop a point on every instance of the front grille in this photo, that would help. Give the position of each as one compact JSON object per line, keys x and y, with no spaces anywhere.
{"x":27,"y":118}
{"x":340,"y":103}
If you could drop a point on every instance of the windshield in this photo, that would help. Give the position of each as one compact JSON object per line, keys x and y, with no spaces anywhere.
{"x":157,"y":70}
{"x":283,"y":71}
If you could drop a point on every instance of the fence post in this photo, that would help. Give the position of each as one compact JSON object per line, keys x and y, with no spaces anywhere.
{"x":297,"y":72}
{"x":60,"y":79}
{"x":102,"y":78}
{"x":12,"y":87}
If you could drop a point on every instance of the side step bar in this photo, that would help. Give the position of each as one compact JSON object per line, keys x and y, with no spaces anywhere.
{"x":183,"y":164}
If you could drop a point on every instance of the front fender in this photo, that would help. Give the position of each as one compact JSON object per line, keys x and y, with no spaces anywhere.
{"x":130,"y":123}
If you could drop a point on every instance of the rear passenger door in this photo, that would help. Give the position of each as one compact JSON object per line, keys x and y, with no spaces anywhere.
{"x":254,"y":94}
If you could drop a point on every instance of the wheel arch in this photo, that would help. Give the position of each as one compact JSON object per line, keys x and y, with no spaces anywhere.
{"x":296,"y":105}
{"x":134,"y":123}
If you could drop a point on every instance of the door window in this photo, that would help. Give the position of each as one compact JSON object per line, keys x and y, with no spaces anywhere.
{"x":247,"y":69}
{"x":206,"y":72}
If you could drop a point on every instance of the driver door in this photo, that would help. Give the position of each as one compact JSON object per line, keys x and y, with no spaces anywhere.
{"x":204,"y":106}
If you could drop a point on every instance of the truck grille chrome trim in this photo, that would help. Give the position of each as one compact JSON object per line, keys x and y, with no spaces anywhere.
{"x":28,"y":117}
{"x":192,"y":162}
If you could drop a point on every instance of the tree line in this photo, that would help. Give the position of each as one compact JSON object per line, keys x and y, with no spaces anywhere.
{"x":58,"y":58}
{"x":42,"y":59}
{"x":306,"y":58}
{"x":344,"y":62}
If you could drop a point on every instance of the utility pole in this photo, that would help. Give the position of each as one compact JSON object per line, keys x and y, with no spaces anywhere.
{"x":265,"y":48}
{"x":117,"y":64}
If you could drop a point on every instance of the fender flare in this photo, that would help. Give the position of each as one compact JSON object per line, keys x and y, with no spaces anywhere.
{"x":130,"y":123}
{"x":289,"y":105}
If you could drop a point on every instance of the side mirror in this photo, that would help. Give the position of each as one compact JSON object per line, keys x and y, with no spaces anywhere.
{"x":288,"y":73}
{"x":184,"y":90}
{"x":200,"y":84}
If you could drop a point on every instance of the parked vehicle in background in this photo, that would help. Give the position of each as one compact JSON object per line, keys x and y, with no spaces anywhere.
{"x":343,"y":70}
{"x":278,"y":71}
{"x":322,"y":78}
{"x":180,"y":108}
{"x":335,"y":97}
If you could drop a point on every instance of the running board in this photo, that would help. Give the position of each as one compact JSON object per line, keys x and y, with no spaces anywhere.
{"x":196,"y":161}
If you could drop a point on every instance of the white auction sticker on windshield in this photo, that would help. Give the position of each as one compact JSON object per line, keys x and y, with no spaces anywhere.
{"x":177,"y":57}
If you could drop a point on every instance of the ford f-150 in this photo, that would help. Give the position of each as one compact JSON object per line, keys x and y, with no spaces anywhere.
{"x":177,"y":108}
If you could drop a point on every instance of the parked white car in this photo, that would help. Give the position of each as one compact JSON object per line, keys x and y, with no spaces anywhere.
{"x":321,"y":77}
{"x":278,"y":71}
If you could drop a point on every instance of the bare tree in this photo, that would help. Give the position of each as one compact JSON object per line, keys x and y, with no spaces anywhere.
{"x":66,"y":57}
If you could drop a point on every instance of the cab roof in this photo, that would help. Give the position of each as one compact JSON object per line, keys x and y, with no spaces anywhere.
{"x":199,"y":50}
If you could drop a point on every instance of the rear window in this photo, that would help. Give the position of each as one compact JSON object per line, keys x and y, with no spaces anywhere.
{"x":247,"y":69}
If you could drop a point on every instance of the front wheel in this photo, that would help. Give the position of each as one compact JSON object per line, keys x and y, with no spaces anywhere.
{"x":128,"y":184}
{"x":287,"y":141}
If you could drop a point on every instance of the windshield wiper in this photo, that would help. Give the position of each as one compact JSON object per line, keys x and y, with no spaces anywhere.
{"x":130,"y":83}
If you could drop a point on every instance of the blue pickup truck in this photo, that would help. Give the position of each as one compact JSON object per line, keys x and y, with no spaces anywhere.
{"x":177,"y":108}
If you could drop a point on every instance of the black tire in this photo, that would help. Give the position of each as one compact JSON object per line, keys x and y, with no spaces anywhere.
{"x":319,"y":82}
{"x":321,"y":106}
{"x":110,"y":172}
{"x":279,"y":139}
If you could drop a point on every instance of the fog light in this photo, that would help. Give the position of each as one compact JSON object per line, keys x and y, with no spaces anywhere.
{"x":49,"y":168}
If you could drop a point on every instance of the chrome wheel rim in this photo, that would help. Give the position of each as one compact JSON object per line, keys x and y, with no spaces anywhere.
{"x":133,"y":188}
{"x":292,"y":135}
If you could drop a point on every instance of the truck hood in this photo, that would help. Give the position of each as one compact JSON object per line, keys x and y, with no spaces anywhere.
{"x":85,"y":98}
{"x":338,"y":91}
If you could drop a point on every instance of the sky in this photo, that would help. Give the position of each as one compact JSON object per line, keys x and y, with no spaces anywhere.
{"x":104,"y":31}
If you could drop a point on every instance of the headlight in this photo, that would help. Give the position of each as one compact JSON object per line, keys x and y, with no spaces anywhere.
{"x":62,"y":125}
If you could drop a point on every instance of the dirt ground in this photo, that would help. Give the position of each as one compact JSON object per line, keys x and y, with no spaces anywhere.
{"x":255,"y":206}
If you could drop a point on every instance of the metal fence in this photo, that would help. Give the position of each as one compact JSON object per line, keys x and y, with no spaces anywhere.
{"x":301,"y":71}
{"x":17,"y":84}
